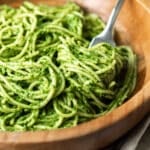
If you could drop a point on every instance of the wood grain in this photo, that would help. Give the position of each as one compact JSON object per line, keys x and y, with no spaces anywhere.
{"x":132,"y":28}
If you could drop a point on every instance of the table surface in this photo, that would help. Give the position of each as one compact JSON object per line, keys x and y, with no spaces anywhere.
{"x":137,"y":138}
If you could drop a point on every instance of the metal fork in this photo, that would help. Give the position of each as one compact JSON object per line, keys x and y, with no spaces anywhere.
{"x":107,"y":34}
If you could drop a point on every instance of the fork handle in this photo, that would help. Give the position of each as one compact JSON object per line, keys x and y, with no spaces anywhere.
{"x":113,"y":15}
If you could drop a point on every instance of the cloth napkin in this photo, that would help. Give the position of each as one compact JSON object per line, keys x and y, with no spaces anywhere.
{"x":136,"y":139}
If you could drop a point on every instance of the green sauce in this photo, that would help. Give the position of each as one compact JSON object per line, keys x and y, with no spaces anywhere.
{"x":49,"y":78}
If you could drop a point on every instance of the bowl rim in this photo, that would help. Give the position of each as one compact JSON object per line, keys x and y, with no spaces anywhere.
{"x":83,"y":129}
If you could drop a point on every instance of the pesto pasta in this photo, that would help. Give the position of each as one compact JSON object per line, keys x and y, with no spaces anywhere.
{"x":49,"y":78}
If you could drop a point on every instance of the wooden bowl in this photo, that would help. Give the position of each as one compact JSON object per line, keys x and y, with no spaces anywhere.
{"x":133,"y":28}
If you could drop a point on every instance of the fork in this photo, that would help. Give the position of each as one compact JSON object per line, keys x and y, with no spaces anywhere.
{"x":107,"y":34}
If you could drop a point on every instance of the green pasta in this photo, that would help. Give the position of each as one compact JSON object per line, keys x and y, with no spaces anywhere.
{"x":49,"y":78}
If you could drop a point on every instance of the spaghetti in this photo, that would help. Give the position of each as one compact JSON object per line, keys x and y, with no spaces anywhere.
{"x":49,"y":78}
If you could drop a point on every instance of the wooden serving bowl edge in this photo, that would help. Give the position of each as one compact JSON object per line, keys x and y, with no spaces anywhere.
{"x":133,"y":28}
